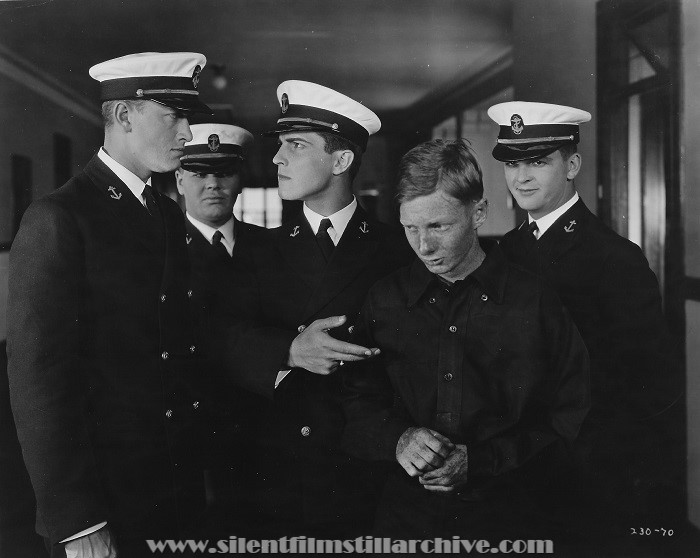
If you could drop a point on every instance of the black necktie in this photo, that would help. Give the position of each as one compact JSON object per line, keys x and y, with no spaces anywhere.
{"x":324,"y":240}
{"x":150,"y":201}
{"x":530,"y":238}
{"x":532,"y":228}
{"x":219,"y":247}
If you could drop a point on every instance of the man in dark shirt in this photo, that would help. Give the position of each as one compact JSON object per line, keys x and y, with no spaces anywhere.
{"x":481,"y":368}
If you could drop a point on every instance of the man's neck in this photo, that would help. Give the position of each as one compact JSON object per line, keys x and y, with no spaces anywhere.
{"x":117,"y":151}
{"x":333,"y":199}
{"x":473,"y":261}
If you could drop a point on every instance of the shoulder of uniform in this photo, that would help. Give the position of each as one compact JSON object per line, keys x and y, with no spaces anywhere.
{"x":394,"y":282}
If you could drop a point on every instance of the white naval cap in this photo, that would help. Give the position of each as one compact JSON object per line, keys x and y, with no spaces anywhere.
{"x":168,"y":78}
{"x":215,"y":147}
{"x":308,"y":106}
{"x":533,"y":130}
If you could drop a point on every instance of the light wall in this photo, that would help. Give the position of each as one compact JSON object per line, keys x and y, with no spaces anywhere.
{"x":4,"y":262}
{"x":33,"y":107}
{"x":554,"y":61}
{"x":690,"y":202}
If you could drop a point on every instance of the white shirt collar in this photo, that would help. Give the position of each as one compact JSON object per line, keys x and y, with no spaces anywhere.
{"x":339,"y":220}
{"x":133,"y":182}
{"x":207,"y":231}
{"x":543,"y":223}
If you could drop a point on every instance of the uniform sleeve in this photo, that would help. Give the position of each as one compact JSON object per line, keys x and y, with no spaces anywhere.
{"x":563,"y":400}
{"x":46,"y":333}
{"x":633,"y":347}
{"x":637,"y":397}
{"x":251,"y":353}
{"x":375,"y":415}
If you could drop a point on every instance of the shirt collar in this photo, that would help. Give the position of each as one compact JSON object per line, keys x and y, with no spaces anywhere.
{"x":543,"y":223}
{"x":227,"y":230}
{"x":339,"y":220}
{"x":491,"y":276}
{"x":133,"y":182}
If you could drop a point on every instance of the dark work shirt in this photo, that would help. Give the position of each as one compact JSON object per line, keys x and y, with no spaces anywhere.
{"x":492,"y":361}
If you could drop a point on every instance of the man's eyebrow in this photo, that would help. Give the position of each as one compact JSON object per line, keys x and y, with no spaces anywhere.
{"x":293,"y":139}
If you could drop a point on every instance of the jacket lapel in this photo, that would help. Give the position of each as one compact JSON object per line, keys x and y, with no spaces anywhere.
{"x":299,"y":251}
{"x":351,"y":256}
{"x":565,"y":232}
{"x":123,"y":205}
{"x":199,"y":249}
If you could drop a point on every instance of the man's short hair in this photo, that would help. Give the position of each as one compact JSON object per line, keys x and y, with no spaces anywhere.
{"x":567,"y":150}
{"x":445,"y":165}
{"x":108,"y":108}
{"x":336,"y":143}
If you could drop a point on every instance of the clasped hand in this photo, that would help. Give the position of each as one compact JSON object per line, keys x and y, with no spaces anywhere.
{"x":440,"y":465}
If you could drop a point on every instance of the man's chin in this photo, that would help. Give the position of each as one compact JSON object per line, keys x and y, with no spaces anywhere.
{"x":287,"y":196}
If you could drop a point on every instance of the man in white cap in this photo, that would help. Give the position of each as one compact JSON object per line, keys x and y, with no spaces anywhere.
{"x":605,"y":282}
{"x":100,"y":343}
{"x":210,"y":179}
{"x":292,"y":305}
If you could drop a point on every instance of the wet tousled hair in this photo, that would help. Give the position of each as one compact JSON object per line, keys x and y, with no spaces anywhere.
{"x":450,"y":166}
{"x":334,"y":143}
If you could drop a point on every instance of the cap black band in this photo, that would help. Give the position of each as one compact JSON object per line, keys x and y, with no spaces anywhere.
{"x":513,"y":153}
{"x":303,"y":117}
{"x":539,"y":133}
{"x":224,"y":150}
{"x":149,"y":86}
{"x":210,"y":166}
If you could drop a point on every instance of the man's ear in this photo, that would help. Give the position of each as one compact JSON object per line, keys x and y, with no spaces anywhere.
{"x":121,"y":114}
{"x":573,"y":165}
{"x":481,"y":210}
{"x":178,"y":180}
{"x":342,"y":159}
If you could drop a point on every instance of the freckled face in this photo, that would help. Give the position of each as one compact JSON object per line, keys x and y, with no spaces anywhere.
{"x":304,"y":169}
{"x":442,"y":232}
{"x":542,"y":185}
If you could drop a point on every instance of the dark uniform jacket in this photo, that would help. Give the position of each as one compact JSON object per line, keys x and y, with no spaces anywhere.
{"x":210,"y":273}
{"x":605,"y":282}
{"x":492,"y":361}
{"x":284,"y":284}
{"x":100,"y":353}
{"x":232,"y":412}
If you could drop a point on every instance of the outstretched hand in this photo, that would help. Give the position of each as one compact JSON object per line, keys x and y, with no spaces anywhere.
{"x":316,"y":351}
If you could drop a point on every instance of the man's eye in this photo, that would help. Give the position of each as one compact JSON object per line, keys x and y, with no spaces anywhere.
{"x":539,"y":163}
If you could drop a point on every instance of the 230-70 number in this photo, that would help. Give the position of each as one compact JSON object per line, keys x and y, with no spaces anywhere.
{"x":646,"y":531}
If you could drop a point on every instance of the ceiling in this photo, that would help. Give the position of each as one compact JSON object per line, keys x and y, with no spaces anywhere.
{"x":388,"y":54}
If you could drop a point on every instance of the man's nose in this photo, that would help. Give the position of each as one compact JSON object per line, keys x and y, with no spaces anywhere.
{"x":212,"y":183}
{"x":523,"y":173}
{"x":278,"y":159}
{"x":425,"y":244}
{"x":185,"y":130}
